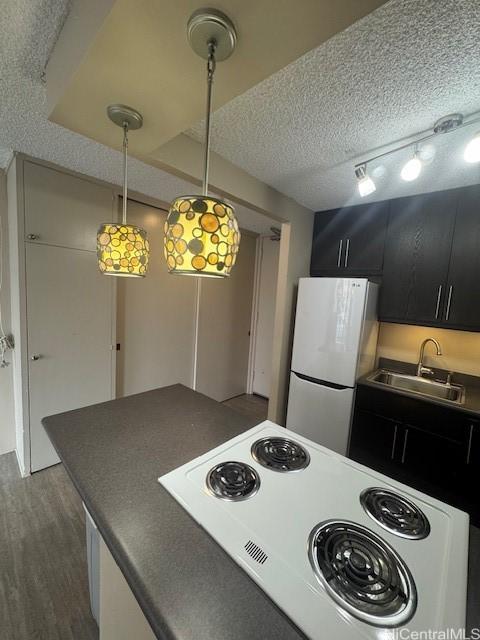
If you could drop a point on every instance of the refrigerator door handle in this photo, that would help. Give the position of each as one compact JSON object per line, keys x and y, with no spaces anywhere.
{"x":321,"y":383}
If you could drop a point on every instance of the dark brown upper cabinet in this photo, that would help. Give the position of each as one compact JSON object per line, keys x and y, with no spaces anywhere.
{"x":462,"y":293}
{"x":417,"y":257}
{"x":432,"y":260}
{"x":328,"y":231}
{"x":425,"y":248}
{"x":349,"y":241}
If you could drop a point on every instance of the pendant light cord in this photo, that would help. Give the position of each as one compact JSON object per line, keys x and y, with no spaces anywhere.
{"x":125,"y":172}
{"x":212,"y":45}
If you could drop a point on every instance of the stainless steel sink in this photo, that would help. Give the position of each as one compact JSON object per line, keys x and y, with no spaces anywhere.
{"x":421,"y":386}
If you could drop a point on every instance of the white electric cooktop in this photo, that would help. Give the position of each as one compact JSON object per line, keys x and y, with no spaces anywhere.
{"x":344,"y":551}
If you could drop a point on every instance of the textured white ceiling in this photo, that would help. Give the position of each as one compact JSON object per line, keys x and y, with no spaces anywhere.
{"x":382,"y":79}
{"x":301,"y":130}
{"x":28,"y":31}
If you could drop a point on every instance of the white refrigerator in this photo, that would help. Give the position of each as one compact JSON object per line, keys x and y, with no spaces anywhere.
{"x":334,"y":343}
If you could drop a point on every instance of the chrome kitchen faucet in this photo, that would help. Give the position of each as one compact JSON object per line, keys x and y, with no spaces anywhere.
{"x":421,"y":369}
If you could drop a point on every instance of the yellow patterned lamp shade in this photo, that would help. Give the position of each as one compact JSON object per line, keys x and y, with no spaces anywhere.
{"x":122,"y":250}
{"x":201,"y":237}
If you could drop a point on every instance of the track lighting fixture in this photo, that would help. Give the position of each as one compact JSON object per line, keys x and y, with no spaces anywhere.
{"x":366,"y":185}
{"x":412,"y":169}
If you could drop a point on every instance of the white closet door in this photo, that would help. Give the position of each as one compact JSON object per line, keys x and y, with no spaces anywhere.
{"x":69,"y":308}
{"x":262,"y":368}
{"x":225,"y":314}
{"x":155,"y":317}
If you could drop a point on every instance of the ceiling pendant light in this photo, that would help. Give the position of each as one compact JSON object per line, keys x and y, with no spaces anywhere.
{"x":472,"y":150}
{"x":411,"y":169}
{"x":123,"y":249}
{"x":201,"y":233}
{"x":366,"y":185}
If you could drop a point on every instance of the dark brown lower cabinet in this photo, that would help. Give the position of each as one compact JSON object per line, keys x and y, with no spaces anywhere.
{"x":472,"y":469}
{"x":432,"y":448}
{"x":436,"y":461}
{"x":373,"y":440}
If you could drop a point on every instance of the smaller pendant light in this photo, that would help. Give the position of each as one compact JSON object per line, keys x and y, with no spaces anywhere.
{"x":123,"y":249}
{"x":201,"y":233}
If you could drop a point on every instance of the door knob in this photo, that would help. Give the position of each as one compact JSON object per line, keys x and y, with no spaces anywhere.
{"x":36,"y":356}
{"x":32,"y":236}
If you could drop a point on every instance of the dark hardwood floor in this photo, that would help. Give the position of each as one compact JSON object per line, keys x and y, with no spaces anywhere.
{"x":250,"y":405}
{"x":43,"y":568}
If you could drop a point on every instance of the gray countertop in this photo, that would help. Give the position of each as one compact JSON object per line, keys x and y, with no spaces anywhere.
{"x":471,"y":405}
{"x":187,"y":586}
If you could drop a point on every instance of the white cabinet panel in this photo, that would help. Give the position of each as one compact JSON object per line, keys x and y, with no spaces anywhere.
{"x":64,"y":210}
{"x":69,"y":311}
{"x":121,"y":617}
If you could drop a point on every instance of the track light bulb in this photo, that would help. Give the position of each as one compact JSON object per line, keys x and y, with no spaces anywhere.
{"x":366,"y":185}
{"x":472,"y":150}
{"x":411,"y":169}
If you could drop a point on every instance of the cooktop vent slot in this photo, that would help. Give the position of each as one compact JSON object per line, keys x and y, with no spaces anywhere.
{"x":256,"y":552}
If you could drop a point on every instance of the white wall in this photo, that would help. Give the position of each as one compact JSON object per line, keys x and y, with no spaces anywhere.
{"x":297,"y":224}
{"x":155,"y":317}
{"x":224,"y":323}
{"x":7,"y":420}
{"x":294,"y":263}
{"x":183,"y":157}
{"x":460,"y":349}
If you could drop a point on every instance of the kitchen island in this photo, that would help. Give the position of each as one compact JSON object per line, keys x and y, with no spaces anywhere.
{"x":185,"y":584}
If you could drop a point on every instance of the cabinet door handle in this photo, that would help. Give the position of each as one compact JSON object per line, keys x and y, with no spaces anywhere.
{"x":470,"y":438}
{"x":347,"y":247}
{"x":339,"y":259}
{"x":404,"y":446}
{"x":439,"y":295}
{"x":449,"y":301}
{"x":394,"y":441}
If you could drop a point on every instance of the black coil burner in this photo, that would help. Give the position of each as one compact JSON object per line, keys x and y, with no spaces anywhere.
{"x":280,"y":454}
{"x":233,"y":481}
{"x":395,"y":513}
{"x":362,"y":573}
